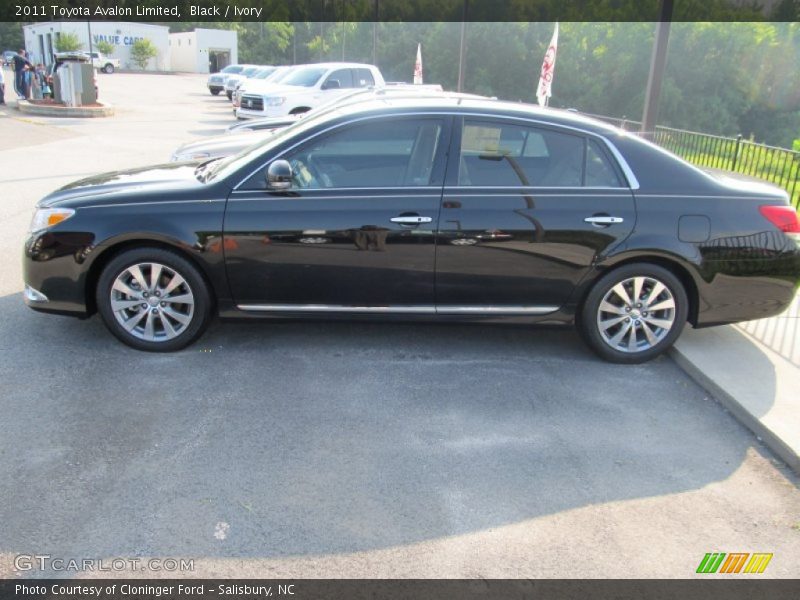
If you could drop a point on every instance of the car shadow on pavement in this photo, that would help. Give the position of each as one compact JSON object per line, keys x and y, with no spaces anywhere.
{"x":300,"y":438}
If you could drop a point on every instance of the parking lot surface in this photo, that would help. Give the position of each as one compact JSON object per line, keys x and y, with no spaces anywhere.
{"x":347,"y":449}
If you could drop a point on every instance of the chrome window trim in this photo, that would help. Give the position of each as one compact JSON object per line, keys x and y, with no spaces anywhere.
{"x":633,"y":183}
{"x":399,"y":309}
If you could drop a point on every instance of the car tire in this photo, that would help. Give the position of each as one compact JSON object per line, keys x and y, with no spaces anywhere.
{"x":229,"y":95}
{"x":214,"y":92}
{"x":156,"y":316}
{"x":108,"y":69}
{"x":634,"y":313}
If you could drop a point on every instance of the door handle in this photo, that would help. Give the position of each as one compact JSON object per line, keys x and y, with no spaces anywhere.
{"x":411,"y":220}
{"x":603,"y":220}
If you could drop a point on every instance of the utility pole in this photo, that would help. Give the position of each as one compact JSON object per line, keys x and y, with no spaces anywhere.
{"x":375,"y":36}
{"x":658,"y":62}
{"x":462,"y":49}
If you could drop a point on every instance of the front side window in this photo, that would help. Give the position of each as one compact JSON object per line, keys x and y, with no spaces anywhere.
{"x":502,"y":154}
{"x":386,"y":153}
{"x":343,"y":76}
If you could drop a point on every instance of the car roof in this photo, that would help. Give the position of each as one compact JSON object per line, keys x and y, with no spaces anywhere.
{"x":338,"y":65}
{"x":469,"y":104}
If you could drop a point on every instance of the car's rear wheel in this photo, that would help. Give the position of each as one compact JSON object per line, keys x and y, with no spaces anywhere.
{"x":229,"y":95}
{"x":153,"y":299}
{"x":109,"y":68}
{"x":214,"y":92}
{"x":634,"y":313}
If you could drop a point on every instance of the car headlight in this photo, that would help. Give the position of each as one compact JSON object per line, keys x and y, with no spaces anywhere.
{"x":44,"y":218}
{"x":274,"y":100}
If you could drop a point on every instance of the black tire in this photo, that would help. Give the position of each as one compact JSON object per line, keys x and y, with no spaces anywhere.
{"x":195,"y":288}
{"x":214,"y":92}
{"x":108,"y":69}
{"x":632,"y":318}
{"x":299,"y":111}
{"x":229,"y":95}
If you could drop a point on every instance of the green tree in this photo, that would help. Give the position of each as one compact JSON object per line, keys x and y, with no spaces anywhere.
{"x":104,"y":47}
{"x":68,"y":42}
{"x":142,"y":51}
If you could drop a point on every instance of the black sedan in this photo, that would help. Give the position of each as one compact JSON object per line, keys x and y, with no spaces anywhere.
{"x":436,"y":208}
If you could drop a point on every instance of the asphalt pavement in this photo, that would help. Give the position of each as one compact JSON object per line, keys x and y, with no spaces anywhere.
{"x":347,"y":450}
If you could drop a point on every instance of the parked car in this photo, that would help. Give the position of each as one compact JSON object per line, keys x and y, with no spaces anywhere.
{"x":358,"y":212}
{"x":265,"y":124}
{"x":8,"y":57}
{"x":216,"y":81}
{"x":307,"y":87}
{"x":259,"y":83}
{"x":104,"y":63}
{"x":218,"y":146}
{"x":234,"y":79}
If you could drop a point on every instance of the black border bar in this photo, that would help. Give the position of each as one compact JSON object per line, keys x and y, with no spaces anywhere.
{"x":733,"y":588}
{"x":394,"y":10}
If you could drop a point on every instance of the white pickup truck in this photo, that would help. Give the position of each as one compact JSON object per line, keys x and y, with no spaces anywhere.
{"x":105,"y":63}
{"x":306,"y":87}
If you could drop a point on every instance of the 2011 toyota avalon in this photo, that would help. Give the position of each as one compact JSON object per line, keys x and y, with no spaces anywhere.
{"x":431,"y":208}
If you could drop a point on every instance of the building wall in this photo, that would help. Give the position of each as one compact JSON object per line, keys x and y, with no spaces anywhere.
{"x":183,"y":51}
{"x":121,"y":35}
{"x":215,"y":40}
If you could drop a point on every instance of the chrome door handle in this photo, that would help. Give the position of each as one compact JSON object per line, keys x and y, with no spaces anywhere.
{"x":409,"y":220}
{"x":603,"y":220}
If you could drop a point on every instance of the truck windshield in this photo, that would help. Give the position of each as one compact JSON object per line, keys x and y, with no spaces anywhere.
{"x":305,"y":77}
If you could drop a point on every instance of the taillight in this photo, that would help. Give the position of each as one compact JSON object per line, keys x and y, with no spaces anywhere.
{"x":783,"y":217}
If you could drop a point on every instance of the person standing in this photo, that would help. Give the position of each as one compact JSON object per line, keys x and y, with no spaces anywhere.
{"x":2,"y":85}
{"x":21,"y":64}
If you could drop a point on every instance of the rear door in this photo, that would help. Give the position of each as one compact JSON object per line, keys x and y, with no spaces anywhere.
{"x":355,"y":233}
{"x":527,"y":210}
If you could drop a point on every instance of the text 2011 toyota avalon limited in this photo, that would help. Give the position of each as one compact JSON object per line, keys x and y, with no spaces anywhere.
{"x":435,"y":208}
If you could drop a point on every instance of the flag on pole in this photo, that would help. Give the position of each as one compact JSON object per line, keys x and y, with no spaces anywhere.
{"x":418,"y":66}
{"x":545,"y":89}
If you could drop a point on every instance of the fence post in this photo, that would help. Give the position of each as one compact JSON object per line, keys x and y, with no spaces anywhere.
{"x":735,"y":159}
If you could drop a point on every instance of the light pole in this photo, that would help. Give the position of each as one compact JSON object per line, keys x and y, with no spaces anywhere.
{"x":462,"y":51}
{"x":657,"y":63}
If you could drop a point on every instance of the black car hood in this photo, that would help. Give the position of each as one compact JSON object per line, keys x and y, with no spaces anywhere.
{"x":122,"y":186}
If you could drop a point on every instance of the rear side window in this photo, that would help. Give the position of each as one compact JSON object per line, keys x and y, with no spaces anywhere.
{"x":501,"y":154}
{"x":599,"y":171}
{"x":364,"y":78}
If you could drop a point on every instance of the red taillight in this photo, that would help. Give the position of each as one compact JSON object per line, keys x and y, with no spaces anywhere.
{"x":783,"y":217}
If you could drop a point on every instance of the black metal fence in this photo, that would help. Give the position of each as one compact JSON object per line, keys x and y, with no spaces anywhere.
{"x":769,"y":163}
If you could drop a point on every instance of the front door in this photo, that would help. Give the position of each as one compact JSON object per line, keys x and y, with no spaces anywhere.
{"x":356,"y":230}
{"x":526,"y":212}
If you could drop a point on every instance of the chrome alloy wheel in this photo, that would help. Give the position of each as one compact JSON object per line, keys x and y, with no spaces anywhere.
{"x":636,"y":314}
{"x":152,"y":302}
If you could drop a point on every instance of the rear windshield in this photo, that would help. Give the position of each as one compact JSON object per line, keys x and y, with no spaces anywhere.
{"x":305,"y":77}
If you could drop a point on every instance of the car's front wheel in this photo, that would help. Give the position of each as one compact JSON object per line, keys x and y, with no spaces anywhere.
{"x":109,"y":68}
{"x":634,"y":313}
{"x":153,"y":299}
{"x":214,"y":92}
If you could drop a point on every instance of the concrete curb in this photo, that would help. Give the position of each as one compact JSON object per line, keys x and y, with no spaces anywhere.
{"x":742,"y":414}
{"x":50,"y":110}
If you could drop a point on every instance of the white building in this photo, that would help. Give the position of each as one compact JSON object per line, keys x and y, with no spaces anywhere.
{"x":198,"y":51}
{"x":203,"y":50}
{"x":40,"y":40}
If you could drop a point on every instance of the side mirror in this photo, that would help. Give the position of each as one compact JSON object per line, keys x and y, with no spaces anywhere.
{"x":279,"y":175}
{"x":332,"y":84}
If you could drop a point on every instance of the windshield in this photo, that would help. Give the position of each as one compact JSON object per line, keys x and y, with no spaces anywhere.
{"x":232,"y":69}
{"x":250,"y":71}
{"x":225,"y":167}
{"x":307,"y":77}
{"x":264,"y":73}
